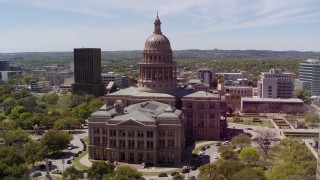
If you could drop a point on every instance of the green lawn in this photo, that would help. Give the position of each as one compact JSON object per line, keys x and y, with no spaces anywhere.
{"x":156,"y":173}
{"x":77,"y":164}
{"x":248,"y":121}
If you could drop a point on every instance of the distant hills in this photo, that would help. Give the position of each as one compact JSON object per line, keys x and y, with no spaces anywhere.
{"x":178,"y":54}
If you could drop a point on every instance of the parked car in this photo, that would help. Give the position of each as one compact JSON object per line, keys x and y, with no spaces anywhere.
{"x":276,"y":139}
{"x":192,"y":178}
{"x":56,"y":171}
{"x":216,"y":157}
{"x":36,"y":174}
{"x":70,"y":148}
{"x":49,"y":163}
{"x":76,"y":155}
{"x":226,"y":143}
{"x":218,"y":144}
{"x":203,"y":148}
{"x":71,"y":158}
{"x":163,"y":175}
{"x":41,"y":166}
{"x":69,"y":161}
{"x":80,"y":152}
{"x":185,"y":170}
{"x":193,"y":168}
{"x":248,"y":128}
{"x":207,"y":147}
{"x":173,"y":173}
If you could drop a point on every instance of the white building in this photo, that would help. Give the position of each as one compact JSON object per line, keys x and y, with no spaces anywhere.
{"x":310,"y":71}
{"x":106,"y":78}
{"x":276,"y":84}
{"x":234,"y":76}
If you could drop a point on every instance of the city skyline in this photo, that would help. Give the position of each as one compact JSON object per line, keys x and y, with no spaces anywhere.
{"x":34,"y":25}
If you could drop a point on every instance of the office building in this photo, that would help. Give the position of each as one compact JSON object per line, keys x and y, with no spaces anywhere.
{"x":205,"y":76}
{"x":234,"y":76}
{"x":276,"y":84}
{"x":106,"y":78}
{"x":87,"y":72}
{"x":309,"y":71}
{"x":4,"y":65}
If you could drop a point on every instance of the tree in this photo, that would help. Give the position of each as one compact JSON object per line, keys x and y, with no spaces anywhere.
{"x":126,"y":172}
{"x":33,"y":151}
{"x":220,"y":169}
{"x":51,"y":98}
{"x":12,"y":163}
{"x":81,"y":112}
{"x":71,"y":173}
{"x":69,"y":123}
{"x":55,"y":140}
{"x":99,"y":169}
{"x":302,"y":94}
{"x":16,"y":136}
{"x":264,"y":141}
{"x":249,"y":155}
{"x":227,"y":153}
{"x":250,"y":174}
{"x":241,"y":141}
{"x":312,"y":119}
{"x":29,"y":103}
{"x":233,"y":101}
{"x":95,"y":104}
{"x":16,"y":112}
{"x":8,"y":104}
{"x":178,"y":177}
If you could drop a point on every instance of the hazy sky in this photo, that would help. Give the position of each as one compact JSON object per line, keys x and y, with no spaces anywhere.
{"x":61,"y":25}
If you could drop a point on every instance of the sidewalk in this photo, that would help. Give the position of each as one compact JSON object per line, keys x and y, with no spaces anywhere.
{"x":188,"y":152}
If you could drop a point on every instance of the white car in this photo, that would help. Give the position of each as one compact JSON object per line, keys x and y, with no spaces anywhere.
{"x":56,"y":171}
{"x":216,"y":157}
{"x":202,"y":152}
{"x":70,"y":148}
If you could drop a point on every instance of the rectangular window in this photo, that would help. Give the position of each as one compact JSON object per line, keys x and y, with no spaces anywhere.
{"x":212,"y":116}
{"x":170,"y":143}
{"x":113,"y":143}
{"x":140,"y":133}
{"x":122,"y":143}
{"x":149,"y":134}
{"x":162,"y":133}
{"x":150,"y":144}
{"x":131,"y":133}
{"x":171,"y":133}
{"x":122,"y":133}
{"x":113,"y":133}
{"x":140,"y":144}
{"x":162,"y":143}
{"x":131,"y":143}
{"x":149,"y":156}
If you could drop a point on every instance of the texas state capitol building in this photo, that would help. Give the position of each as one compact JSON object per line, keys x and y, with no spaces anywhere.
{"x":151,"y":123}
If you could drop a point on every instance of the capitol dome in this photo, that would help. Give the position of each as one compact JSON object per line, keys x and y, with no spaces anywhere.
{"x":157,"y":70}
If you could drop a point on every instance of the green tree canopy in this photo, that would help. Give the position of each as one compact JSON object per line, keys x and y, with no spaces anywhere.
{"x":249,"y":155}
{"x":178,"y":177}
{"x":227,"y":153}
{"x":12,"y":163}
{"x":16,"y":112}
{"x":71,"y":173}
{"x":33,"y":151}
{"x":55,"y":140}
{"x":8,"y":104}
{"x":302,"y":94}
{"x":250,"y":174}
{"x":16,"y":136}
{"x":241,"y":141}
{"x":312,"y":119}
{"x":126,"y":172}
{"x":220,"y":169}
{"x":99,"y":170}
{"x":81,"y":112}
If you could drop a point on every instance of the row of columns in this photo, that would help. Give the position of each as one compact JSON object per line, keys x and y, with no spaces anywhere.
{"x":157,"y":73}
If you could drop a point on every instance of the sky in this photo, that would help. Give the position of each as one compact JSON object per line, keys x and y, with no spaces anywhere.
{"x":115,"y":25}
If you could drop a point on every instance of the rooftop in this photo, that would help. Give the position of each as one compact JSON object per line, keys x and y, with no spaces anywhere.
{"x":258,"y":99}
{"x":203,"y":94}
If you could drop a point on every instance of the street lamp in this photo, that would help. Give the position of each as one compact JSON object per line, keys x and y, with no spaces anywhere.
{"x":62,"y":160}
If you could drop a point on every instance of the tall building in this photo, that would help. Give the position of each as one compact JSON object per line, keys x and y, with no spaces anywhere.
{"x":309,"y":71}
{"x":87,"y":72}
{"x":276,"y":84}
{"x":205,"y":76}
{"x":4,"y":66}
{"x":148,"y":123}
{"x":157,"y":70}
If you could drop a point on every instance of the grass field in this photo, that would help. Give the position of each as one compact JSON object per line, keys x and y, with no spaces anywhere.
{"x":248,"y":121}
{"x":77,"y":164}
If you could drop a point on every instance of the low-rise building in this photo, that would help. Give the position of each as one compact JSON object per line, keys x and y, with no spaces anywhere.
{"x":106,"y":78}
{"x":243,"y":91}
{"x":271,"y":105}
{"x":149,"y":132}
{"x":41,"y":86}
{"x":234,"y":76}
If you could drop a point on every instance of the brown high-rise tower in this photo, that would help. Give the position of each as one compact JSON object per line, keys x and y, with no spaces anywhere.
{"x":157,"y":70}
{"x":87,"y":72}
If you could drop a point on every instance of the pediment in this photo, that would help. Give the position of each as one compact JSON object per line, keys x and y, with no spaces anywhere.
{"x":130,"y":122}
